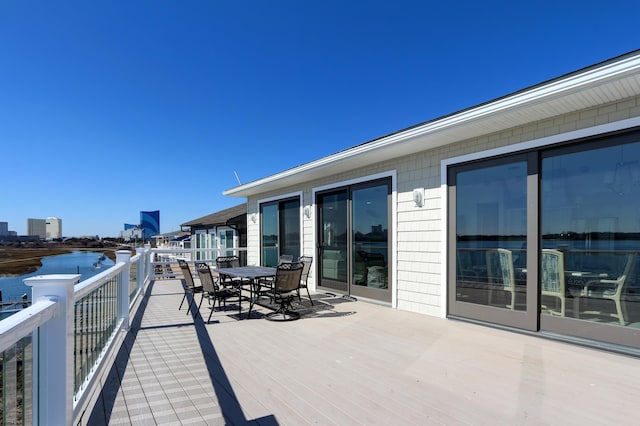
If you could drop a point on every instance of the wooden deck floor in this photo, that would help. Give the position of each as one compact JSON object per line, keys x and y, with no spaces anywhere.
{"x":351,"y":363}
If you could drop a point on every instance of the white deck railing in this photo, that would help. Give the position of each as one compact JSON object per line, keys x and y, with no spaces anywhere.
{"x":165,"y":260}
{"x":54,"y":351}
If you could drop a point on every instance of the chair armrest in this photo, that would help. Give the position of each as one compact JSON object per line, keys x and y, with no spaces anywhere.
{"x":599,"y":284}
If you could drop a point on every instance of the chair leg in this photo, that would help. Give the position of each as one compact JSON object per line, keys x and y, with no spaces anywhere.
{"x":211,"y":313}
{"x":193,"y":299}
{"x":183,"y":297}
{"x":309,"y":294}
{"x":200,"y":304}
{"x":285,"y":310}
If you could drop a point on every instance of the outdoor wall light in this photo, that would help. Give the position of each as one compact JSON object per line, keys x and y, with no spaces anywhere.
{"x":254,"y":217}
{"x":307,"y":212}
{"x":418,"y":197}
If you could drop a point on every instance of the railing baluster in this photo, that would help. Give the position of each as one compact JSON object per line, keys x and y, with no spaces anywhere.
{"x":60,"y":366}
{"x":10,"y":390}
{"x":27,"y":380}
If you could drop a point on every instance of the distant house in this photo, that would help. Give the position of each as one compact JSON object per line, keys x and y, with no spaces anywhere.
{"x":220,"y":233}
{"x":173,"y":240}
{"x":521,"y":212}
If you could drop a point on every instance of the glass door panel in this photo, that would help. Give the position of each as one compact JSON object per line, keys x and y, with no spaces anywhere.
{"x":289,"y":235}
{"x":492,"y":277}
{"x":201,"y":245}
{"x":590,"y":209}
{"x":280,"y":230}
{"x":269,"y":234}
{"x":227,"y":242}
{"x":370,"y":240}
{"x":332,"y":240}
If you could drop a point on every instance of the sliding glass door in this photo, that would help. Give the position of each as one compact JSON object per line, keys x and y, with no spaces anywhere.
{"x":353,"y":239}
{"x":590,"y":218}
{"x":489,"y":240}
{"x":280,"y":230}
{"x":549,"y":240}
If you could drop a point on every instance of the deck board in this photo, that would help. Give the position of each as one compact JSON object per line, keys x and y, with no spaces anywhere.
{"x":355,"y":363}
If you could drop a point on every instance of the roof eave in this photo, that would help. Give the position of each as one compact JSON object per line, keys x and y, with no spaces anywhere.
{"x":442,"y":131}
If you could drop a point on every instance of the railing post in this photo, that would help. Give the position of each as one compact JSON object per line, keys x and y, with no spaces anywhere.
{"x":123,"y":302}
{"x":148,"y":260}
{"x":142,"y":267}
{"x":54,"y":351}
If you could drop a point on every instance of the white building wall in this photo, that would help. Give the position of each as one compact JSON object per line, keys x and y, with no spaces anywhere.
{"x":419,"y":255}
{"x":54,"y":228}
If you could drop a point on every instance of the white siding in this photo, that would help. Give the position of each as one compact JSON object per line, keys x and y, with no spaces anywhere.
{"x":419,"y":283}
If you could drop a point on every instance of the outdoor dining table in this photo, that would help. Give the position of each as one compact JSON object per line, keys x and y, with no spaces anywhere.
{"x":250,"y":273}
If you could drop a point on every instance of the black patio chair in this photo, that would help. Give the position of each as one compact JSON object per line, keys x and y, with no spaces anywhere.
{"x":228,"y":262}
{"x":285,"y":286}
{"x":306,"y":260}
{"x":212,"y":291}
{"x":189,"y":284}
{"x":265,"y":285}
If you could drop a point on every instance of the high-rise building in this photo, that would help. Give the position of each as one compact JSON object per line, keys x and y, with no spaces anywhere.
{"x":53,"y":228}
{"x":4,"y":228}
{"x":37,"y":228}
{"x":150,"y":224}
{"x":131,"y":233}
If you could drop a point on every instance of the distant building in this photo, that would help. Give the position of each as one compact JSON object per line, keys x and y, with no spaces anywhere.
{"x":150,"y":224}
{"x":174,"y":240}
{"x":37,"y":228}
{"x":53,"y":228}
{"x":221,"y":233}
{"x":131,"y":233}
{"x":4,"y":228}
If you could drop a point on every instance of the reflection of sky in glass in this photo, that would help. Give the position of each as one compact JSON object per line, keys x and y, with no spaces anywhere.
{"x":334,"y":213}
{"x":592,"y":191}
{"x":370,"y":209}
{"x":269,"y":219}
{"x":492,"y":200}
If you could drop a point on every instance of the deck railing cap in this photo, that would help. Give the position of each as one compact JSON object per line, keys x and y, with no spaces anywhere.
{"x":51,"y":279}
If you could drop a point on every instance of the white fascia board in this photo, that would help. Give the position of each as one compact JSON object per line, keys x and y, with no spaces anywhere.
{"x":578,"y":82}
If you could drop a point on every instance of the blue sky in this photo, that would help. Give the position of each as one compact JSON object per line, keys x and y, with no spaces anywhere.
{"x":108,"y":108}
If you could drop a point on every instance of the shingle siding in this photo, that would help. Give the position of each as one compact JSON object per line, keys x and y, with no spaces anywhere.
{"x":418,"y":257}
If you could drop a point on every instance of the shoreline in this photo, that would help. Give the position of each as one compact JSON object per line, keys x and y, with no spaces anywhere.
{"x":15,"y":262}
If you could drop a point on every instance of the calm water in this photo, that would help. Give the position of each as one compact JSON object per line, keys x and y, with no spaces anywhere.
{"x":78,"y":262}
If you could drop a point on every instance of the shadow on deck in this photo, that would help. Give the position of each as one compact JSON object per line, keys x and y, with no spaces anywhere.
{"x":348,"y":362}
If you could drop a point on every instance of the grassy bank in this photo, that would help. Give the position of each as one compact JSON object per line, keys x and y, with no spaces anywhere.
{"x":21,"y":261}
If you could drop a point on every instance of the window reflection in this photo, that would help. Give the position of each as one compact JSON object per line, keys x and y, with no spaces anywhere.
{"x":491,"y":227}
{"x":370,"y":236}
{"x":590,"y":213}
{"x":280,"y":230}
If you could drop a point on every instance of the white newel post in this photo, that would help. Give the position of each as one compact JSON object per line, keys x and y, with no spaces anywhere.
{"x":54,"y":351}
{"x":142,"y":267}
{"x":149,"y":258}
{"x":123,"y":303}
